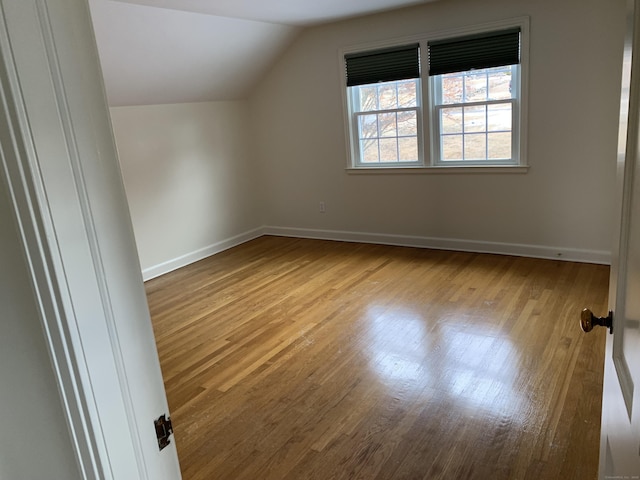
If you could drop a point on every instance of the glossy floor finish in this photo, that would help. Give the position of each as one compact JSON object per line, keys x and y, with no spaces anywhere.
{"x":304,"y":359}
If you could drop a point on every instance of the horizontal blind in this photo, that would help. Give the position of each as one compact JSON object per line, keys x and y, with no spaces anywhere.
{"x":486,"y":50}
{"x":386,"y":65}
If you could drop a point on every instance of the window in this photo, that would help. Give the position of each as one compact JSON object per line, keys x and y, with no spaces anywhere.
{"x":386,"y":122}
{"x":384,"y":106}
{"x":473,"y":116}
{"x":474,"y":85}
{"x":473,"y":88}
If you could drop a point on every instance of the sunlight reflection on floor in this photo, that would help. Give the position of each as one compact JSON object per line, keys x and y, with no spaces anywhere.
{"x":410,"y":354}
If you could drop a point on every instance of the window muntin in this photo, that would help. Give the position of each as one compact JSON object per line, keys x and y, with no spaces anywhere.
{"x":386,"y":122}
{"x":474,"y":116}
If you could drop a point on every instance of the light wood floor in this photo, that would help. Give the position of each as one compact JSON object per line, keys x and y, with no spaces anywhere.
{"x":301,"y":359}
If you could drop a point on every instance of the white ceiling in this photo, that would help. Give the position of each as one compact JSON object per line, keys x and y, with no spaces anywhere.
{"x":288,"y":12}
{"x":176,"y":51}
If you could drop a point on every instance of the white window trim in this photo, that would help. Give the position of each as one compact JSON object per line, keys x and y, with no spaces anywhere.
{"x":520,"y":115}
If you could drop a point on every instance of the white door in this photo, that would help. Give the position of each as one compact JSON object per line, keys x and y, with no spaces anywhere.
{"x":620,"y":435}
{"x":60,"y":163}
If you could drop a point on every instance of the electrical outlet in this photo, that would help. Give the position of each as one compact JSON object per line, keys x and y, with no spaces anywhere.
{"x":322,"y":207}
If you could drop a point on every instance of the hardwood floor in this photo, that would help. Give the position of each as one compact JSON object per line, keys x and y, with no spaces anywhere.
{"x":302,"y":359}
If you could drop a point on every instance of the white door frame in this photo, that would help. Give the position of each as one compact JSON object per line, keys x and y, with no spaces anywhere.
{"x":59,"y":164}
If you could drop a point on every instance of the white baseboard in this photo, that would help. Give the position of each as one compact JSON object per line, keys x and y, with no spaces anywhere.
{"x":519,"y":250}
{"x":187,"y":259}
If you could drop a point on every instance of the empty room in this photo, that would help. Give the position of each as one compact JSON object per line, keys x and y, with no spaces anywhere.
{"x":337,"y":240}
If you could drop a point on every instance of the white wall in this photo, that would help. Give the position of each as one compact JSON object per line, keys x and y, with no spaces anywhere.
{"x":189,"y":179}
{"x":562,"y":205}
{"x":34,"y":439}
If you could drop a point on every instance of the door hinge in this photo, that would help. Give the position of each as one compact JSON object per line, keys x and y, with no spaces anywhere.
{"x":164,"y":429}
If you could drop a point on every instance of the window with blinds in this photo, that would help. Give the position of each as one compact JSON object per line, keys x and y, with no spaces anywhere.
{"x":384,"y":88}
{"x":473,"y":87}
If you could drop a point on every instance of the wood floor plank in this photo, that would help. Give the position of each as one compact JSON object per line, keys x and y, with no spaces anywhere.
{"x":304,"y":359}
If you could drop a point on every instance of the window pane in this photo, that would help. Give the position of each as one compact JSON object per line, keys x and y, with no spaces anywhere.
{"x":451,"y":89}
{"x":368,"y":98}
{"x":475,"y":119}
{"x":500,"y":83}
{"x":475,"y":146}
{"x":451,"y":120}
{"x":387,"y":124}
{"x":407,"y":94}
{"x":387,"y":96}
{"x":499,"y":145}
{"x":408,"y":149}
{"x":475,"y":86}
{"x":452,"y":147}
{"x":389,"y":150}
{"x":499,"y":117}
{"x":407,"y":123}
{"x":369,"y":152}
{"x":383,"y":133}
{"x":368,"y":126}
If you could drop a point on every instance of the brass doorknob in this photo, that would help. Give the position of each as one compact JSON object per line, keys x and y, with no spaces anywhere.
{"x":588,"y":320}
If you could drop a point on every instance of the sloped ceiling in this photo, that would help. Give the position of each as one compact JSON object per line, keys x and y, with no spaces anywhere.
{"x":287,"y":12}
{"x":178,"y":51}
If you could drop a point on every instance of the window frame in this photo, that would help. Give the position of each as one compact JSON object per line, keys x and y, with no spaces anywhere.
{"x":436,"y":136}
{"x":356,"y":147}
{"x":426,"y":119}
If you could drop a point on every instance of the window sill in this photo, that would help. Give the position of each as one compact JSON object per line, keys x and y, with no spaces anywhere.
{"x":439,"y":170}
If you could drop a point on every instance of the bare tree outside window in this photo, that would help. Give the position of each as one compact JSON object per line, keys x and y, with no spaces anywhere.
{"x":387,"y":117}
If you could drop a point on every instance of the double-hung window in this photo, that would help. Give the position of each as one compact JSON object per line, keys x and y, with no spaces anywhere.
{"x":472,"y":83}
{"x":384,"y":106}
